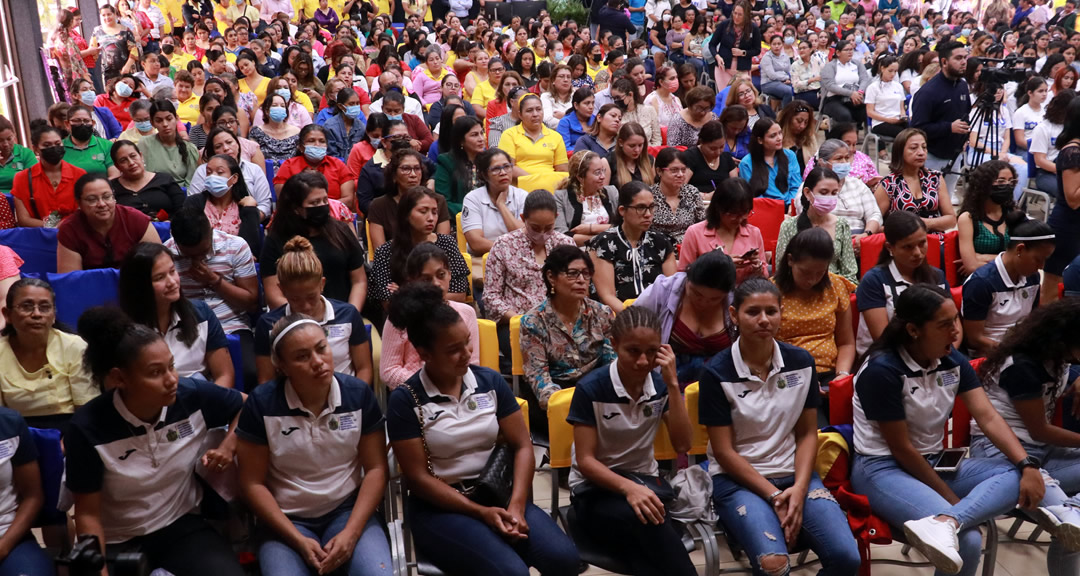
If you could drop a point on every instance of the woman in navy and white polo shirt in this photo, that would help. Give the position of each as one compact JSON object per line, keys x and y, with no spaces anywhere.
{"x":312,"y":457}
{"x":902,"y":263}
{"x":1003,"y":291}
{"x":464,"y":409}
{"x":616,"y":411}
{"x":759,"y":400}
{"x":1025,"y":377}
{"x":20,"y":499}
{"x":904,"y":394}
{"x":301,"y":281}
{"x":149,"y":293}
{"x":132,"y":452}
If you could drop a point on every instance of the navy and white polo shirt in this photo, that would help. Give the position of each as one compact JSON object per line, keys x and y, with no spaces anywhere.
{"x":145,"y":472}
{"x":990,"y":296}
{"x":314,"y":458}
{"x":625,"y":427}
{"x":16,"y":448}
{"x":343,"y":324}
{"x":762,"y":414}
{"x":460,"y":432}
{"x":1023,"y":378}
{"x":191,"y":360}
{"x":879,"y":288}
{"x":892,"y":386}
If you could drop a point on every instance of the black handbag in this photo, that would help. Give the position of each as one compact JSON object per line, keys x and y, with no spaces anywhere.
{"x":495,"y":484}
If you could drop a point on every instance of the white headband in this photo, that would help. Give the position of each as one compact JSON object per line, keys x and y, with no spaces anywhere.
{"x":1032,"y":238}
{"x":289,"y":328}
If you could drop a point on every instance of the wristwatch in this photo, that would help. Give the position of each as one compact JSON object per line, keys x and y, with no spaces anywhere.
{"x":1029,"y":462}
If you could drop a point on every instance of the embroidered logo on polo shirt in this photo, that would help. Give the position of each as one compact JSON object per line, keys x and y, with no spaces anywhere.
{"x":336,"y":331}
{"x":913,"y":389}
{"x":290,"y":430}
{"x":483,"y":402}
{"x":790,"y":380}
{"x":6,"y":449}
{"x":334,"y":425}
{"x":471,"y":404}
{"x":647,"y":411}
{"x":610,"y":416}
{"x":434,"y":416}
{"x":1005,"y":301}
{"x":745,"y":392}
{"x":347,"y":422}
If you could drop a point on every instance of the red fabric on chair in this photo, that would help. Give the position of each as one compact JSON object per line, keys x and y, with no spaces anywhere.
{"x":841,"y":394}
{"x":958,"y":297}
{"x":663,"y":135}
{"x":854,"y":314}
{"x":952,"y":256}
{"x":768,"y":216}
{"x":869,"y":250}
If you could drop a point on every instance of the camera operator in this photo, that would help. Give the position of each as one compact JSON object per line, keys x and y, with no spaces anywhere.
{"x":941,"y":109}
{"x":611,"y":17}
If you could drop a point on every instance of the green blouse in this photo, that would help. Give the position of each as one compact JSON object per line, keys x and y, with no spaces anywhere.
{"x":844,"y":262}
{"x":158,"y":158}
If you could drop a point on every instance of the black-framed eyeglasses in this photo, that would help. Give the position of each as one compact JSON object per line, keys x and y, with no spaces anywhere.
{"x":575,"y":274}
{"x":643,"y":209}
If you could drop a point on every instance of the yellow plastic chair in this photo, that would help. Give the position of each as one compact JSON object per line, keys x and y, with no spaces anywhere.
{"x":517,"y":363}
{"x":370,"y":248}
{"x":483,"y":265}
{"x":628,"y":302}
{"x":524,"y":404}
{"x":699,"y":438}
{"x":461,"y":244}
{"x":489,"y":344}
{"x":560,"y":432}
{"x":468,"y":266}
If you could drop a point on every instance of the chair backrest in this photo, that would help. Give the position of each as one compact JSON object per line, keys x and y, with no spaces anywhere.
{"x":560,"y":432}
{"x":489,"y":344}
{"x":629,"y":302}
{"x":961,"y":419}
{"x":77,"y":291}
{"x":524,"y":405}
{"x":854,"y":314}
{"x":462,"y":245}
{"x":662,"y":447}
{"x":237,"y":355}
{"x":517,"y":363}
{"x":933,"y":250}
{"x":869,"y":250}
{"x":270,"y":179}
{"x":768,"y":216}
{"x":468,"y":266}
{"x":36,"y":246}
{"x":950,"y":256}
{"x":841,"y":395}
{"x":370,"y":246}
{"x":699,"y":435}
{"x":957,"y":293}
{"x":164,"y":231}
{"x":51,"y":463}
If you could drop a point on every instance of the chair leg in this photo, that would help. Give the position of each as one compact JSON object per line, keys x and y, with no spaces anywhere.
{"x":990,"y":554}
{"x":905,"y":549}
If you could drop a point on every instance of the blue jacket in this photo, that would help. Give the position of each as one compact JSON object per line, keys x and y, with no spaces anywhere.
{"x":933,"y":110}
{"x":339,"y":142}
{"x":112,"y":126}
{"x":570,"y":129}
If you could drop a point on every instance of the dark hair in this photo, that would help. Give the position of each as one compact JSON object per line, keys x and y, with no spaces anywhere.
{"x":1047,"y":335}
{"x":810,"y":244}
{"x":896,"y":159}
{"x":114,"y":150}
{"x":21,"y":283}
{"x":189,"y":226}
{"x":916,"y":305}
{"x":755,"y":285}
{"x":455,"y":145}
{"x":397,"y":157}
{"x":288,"y":222}
{"x":484,"y":160}
{"x":667,"y":156}
{"x":627,"y":192}
{"x":87,"y":178}
{"x":1057,"y":107}
{"x":816,"y":175}
{"x":712,"y":131}
{"x":714,"y":270}
{"x":733,"y":196}
{"x":113,"y":340}
{"x":420,"y":310}
{"x":37,"y":132}
{"x":1051,"y":61}
{"x":446,"y":125}
{"x":208,"y":147}
{"x":634,"y":317}
{"x":581,"y":94}
{"x":304,"y":132}
{"x":559,"y":260}
{"x":1032,"y":84}
{"x":978,"y":186}
{"x":945,"y":49}
{"x":841,"y":128}
{"x":402,"y":243}
{"x":759,"y":175}
{"x":900,"y":224}
{"x":377,"y":121}
{"x":1071,"y":131}
{"x":414,"y":264}
{"x":1020,"y":226}
{"x":137,"y":298}
{"x":539,"y":200}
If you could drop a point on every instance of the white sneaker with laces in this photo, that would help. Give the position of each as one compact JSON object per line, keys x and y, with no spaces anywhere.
{"x":937,"y":541}
{"x":1062,"y":522}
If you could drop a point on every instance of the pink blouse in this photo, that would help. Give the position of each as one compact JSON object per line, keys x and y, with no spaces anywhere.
{"x":700,"y":239}
{"x":400,"y":360}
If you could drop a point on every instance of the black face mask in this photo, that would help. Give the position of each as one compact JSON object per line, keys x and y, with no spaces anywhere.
{"x":82,"y":132}
{"x":317,"y":216}
{"x":52,"y":154}
{"x":167,"y":49}
{"x":597,"y":57}
{"x":1001,"y":193}
{"x":620,"y":103}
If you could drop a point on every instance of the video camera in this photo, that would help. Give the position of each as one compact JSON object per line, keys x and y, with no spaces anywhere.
{"x":1009,"y":71}
{"x":86,"y":559}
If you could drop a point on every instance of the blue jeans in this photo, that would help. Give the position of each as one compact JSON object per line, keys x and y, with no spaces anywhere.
{"x":1046,"y":182}
{"x":370,"y":557}
{"x":751,"y":520}
{"x":27,"y":558}
{"x":460,"y":544}
{"x":1061,"y":471}
{"x":782,"y":92}
{"x":987,"y":487}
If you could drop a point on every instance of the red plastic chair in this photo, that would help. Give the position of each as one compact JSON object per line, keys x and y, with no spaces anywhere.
{"x":869,"y":250}
{"x":952,"y":256}
{"x":768,"y":216}
{"x":663,"y":135}
{"x":854,"y":315}
{"x":841,"y":394}
{"x":958,"y":298}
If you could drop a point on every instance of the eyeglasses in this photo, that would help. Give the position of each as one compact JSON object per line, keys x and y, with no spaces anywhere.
{"x":643,"y":209}
{"x":573,"y":275}
{"x":94,"y":200}
{"x":501,"y":169}
{"x":224,"y":122}
{"x":675,"y":171}
{"x":1000,"y":182}
{"x":27,"y":308}
{"x":410,"y":169}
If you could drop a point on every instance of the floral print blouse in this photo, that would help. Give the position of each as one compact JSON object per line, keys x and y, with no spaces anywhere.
{"x":635,"y":268}
{"x":691,"y":210}
{"x":556,"y":357}
{"x":843,"y":264}
{"x":513,"y":283}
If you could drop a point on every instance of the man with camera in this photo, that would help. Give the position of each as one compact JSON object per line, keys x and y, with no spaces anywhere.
{"x":941,"y":109}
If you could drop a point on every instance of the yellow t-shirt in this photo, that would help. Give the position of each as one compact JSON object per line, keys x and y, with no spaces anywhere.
{"x":57,"y":388}
{"x":481,"y":95}
{"x":416,"y":5}
{"x":382,"y":7}
{"x":188,"y":111}
{"x":233,"y":12}
{"x":259,"y":91}
{"x":310,"y":6}
{"x":593,"y":71}
{"x":179,"y":60}
{"x":174,"y":14}
{"x":535,"y":157}
{"x":297,"y":6}
{"x":304,"y":101}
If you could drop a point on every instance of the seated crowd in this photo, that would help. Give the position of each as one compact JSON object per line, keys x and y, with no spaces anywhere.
{"x":337,"y":237}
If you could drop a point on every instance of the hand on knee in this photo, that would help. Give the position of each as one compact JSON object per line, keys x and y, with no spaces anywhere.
{"x":774,"y":564}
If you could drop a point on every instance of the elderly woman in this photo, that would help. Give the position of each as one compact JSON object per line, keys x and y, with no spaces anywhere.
{"x":855,"y":202}
{"x":678,"y":203}
{"x":684,"y":127}
{"x":911,"y":187}
{"x":100,"y":233}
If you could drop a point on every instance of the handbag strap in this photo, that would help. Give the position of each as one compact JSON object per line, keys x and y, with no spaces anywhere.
{"x":423,"y":437}
{"x":30,"y":187}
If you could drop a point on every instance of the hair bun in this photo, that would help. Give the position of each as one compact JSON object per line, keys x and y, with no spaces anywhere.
{"x":297,"y":244}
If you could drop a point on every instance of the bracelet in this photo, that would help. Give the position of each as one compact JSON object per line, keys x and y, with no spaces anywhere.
{"x":772,"y":497}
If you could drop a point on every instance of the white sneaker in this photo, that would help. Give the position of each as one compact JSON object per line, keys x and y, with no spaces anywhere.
{"x":937,"y":541}
{"x":1062,"y":522}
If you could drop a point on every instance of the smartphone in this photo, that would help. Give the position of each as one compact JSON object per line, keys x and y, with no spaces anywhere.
{"x":949,"y":460}
{"x":750,"y":254}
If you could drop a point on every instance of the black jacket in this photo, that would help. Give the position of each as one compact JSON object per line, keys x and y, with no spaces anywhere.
{"x":934,"y":108}
{"x":615,"y":20}
{"x":723,"y":40}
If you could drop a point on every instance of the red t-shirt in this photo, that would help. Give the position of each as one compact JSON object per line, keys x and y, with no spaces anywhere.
{"x":46,"y":198}
{"x":336,"y":172}
{"x":119,"y":111}
{"x":77,"y":235}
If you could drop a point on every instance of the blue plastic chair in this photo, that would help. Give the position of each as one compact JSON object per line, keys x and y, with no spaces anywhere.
{"x":36,"y":246}
{"x":237,"y":360}
{"x":270,"y":178}
{"x":51,"y":463}
{"x":77,"y":291}
{"x":164,"y":231}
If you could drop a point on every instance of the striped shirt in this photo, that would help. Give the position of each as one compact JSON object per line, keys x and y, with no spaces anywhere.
{"x":230,"y":257}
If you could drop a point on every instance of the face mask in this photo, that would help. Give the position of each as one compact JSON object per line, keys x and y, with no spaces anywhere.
{"x":284,"y":93}
{"x":620,"y":104}
{"x":858,"y":39}
{"x":842,"y":169}
{"x":52,"y":154}
{"x":278,"y":113}
{"x":965,"y":32}
{"x":123,"y":89}
{"x":824,"y":204}
{"x":87,"y":97}
{"x":672,"y":85}
{"x":167,"y":49}
{"x":315,"y":153}
{"x":536,"y":238}
{"x":1001,"y":193}
{"x":667,"y":17}
{"x":597,"y":57}
{"x":559,"y":55}
{"x":216,"y":185}
{"x":144,"y":126}
{"x":317,"y":216}
{"x":353,"y":111}
{"x":82,"y":132}
{"x":394,"y":116}
{"x":375,"y":142}
{"x":789,"y":40}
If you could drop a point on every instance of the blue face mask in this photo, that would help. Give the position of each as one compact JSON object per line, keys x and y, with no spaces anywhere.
{"x":87,"y":97}
{"x":375,"y":142}
{"x":858,"y":39}
{"x":144,"y":127}
{"x":842,"y":169}
{"x":278,"y":113}
{"x":216,"y":185}
{"x":394,"y":117}
{"x":315,"y":153}
{"x":284,"y":93}
{"x":789,"y":40}
{"x":353,"y":111}
{"x":123,"y":89}
{"x":965,"y":32}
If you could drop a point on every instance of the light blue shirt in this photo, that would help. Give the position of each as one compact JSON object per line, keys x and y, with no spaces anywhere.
{"x":790,"y":190}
